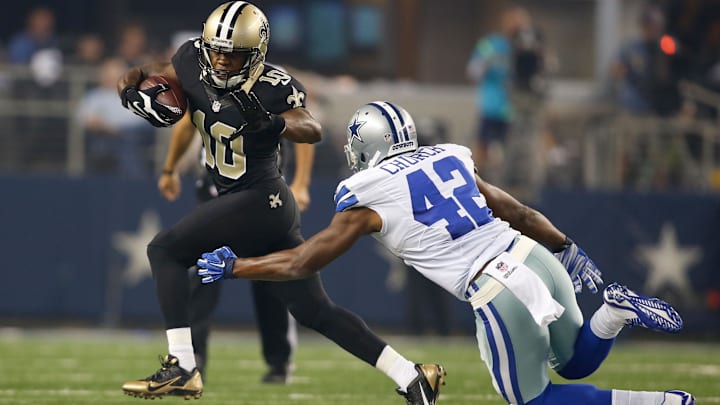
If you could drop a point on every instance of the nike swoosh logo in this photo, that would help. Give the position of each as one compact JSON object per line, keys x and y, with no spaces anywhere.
{"x":425,"y":401}
{"x":153,"y":386}
{"x":139,"y":108}
{"x":422,"y":392}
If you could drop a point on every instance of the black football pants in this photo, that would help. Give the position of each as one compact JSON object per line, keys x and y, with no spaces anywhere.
{"x":271,"y":314}
{"x":252,"y":226}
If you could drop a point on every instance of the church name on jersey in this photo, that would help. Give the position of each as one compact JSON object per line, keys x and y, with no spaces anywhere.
{"x":402,"y":162}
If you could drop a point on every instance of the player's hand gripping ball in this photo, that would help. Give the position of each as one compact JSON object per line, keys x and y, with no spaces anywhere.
{"x":158,"y":99}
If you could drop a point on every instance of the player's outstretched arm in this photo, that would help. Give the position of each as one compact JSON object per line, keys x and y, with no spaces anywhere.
{"x":535,"y":225}
{"x":344,"y":230}
{"x":521,"y":217}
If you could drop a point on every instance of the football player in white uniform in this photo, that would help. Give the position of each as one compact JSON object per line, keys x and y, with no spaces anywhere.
{"x":426,"y":205}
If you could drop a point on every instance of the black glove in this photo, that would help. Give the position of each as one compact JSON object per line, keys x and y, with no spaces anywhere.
{"x":259,"y":120}
{"x":143,"y":103}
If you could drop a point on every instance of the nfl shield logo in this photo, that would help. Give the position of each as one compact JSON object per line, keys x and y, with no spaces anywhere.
{"x":388,"y":137}
{"x":502,"y":266}
{"x":216,"y":106}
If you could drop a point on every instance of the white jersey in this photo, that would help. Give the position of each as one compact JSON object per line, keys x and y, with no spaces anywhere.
{"x":433,"y":216}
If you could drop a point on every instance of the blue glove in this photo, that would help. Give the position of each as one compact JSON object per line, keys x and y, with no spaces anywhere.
{"x":216,"y":265}
{"x":580,"y":267}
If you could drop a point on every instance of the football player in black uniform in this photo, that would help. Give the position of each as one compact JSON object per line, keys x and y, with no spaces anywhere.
{"x":278,"y":331}
{"x":242,"y":108}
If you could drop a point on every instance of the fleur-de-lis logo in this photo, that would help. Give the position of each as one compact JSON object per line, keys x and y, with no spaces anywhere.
{"x":264,"y":32}
{"x":296,"y":98}
{"x":275,"y":200}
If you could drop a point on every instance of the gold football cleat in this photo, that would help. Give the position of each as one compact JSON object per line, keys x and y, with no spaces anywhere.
{"x":171,"y":379}
{"x":425,"y":388}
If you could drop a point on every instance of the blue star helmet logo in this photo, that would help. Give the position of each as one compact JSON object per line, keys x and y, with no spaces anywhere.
{"x":354,"y":128}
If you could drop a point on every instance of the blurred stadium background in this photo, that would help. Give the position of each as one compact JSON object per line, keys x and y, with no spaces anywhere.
{"x":640,"y":191}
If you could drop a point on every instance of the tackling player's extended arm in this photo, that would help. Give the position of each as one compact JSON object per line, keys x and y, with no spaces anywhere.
{"x":521,"y":217}
{"x":537,"y":226}
{"x":315,"y":253}
{"x":301,"y":126}
{"x":180,"y":140}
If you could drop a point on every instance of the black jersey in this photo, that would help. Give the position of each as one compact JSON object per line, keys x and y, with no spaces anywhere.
{"x":244,"y":161}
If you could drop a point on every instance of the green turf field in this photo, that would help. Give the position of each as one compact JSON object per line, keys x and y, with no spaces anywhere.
{"x":81,"y":367}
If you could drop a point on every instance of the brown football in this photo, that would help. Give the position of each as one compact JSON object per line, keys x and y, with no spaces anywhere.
{"x":174,"y":98}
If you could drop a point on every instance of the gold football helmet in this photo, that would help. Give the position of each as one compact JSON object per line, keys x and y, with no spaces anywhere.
{"x":235,"y":26}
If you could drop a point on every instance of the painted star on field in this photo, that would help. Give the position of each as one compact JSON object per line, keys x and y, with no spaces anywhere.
{"x":668,"y":263}
{"x":134,"y":246}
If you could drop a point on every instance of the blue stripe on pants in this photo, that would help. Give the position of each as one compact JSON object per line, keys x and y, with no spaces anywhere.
{"x":496,"y":338}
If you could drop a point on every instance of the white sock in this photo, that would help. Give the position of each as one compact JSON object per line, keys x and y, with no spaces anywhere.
{"x":605,"y":323}
{"x":397,"y":367}
{"x":620,"y":397}
{"x":180,"y":346}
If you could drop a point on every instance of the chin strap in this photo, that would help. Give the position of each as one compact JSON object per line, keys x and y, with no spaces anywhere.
{"x":252,"y":77}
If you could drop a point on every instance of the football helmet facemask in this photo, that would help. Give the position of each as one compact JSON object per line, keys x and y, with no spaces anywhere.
{"x":235,"y":26}
{"x":377,"y":131}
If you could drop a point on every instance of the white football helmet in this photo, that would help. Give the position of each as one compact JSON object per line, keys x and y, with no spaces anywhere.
{"x":235,"y":26}
{"x":376,"y":131}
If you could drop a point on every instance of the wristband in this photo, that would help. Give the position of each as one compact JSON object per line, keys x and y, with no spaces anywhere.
{"x":229,"y":267}
{"x":566,"y":244}
{"x":277,"y":124}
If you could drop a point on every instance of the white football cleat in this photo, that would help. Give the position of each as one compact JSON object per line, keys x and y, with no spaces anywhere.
{"x":676,"y":397}
{"x":639,"y":310}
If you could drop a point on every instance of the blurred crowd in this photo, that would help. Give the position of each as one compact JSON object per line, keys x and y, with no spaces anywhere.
{"x":661,"y":104}
{"x":115,"y":141}
{"x":657,"y":75}
{"x":510,"y":67}
{"x":669,"y":71}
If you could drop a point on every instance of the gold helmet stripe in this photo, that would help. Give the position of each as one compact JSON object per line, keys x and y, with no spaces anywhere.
{"x":229,"y":17}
